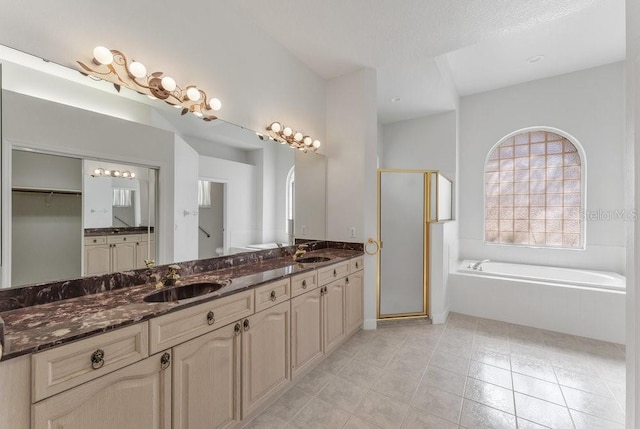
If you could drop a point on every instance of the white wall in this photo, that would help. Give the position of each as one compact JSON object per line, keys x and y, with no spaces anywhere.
{"x":310,"y":220}
{"x":589,"y":105}
{"x":211,"y":219}
{"x":351,"y":172}
{"x":185,"y":206}
{"x":632,"y":186}
{"x":241,"y":197}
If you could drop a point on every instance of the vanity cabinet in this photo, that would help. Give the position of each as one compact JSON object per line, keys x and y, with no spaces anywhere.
{"x":110,"y":254}
{"x":135,"y":397}
{"x":354,"y":306}
{"x":333,"y":299}
{"x":265,"y":356}
{"x":306,"y":331}
{"x":206,"y":379}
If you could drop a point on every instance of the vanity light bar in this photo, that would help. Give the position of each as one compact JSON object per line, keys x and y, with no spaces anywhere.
{"x":99,"y":172}
{"x":113,"y":66}
{"x":286,"y":135}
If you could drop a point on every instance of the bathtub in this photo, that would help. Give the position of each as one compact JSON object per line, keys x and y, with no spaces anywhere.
{"x":579,"y":302}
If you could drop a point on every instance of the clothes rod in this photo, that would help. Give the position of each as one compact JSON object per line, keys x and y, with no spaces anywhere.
{"x":46,"y":191}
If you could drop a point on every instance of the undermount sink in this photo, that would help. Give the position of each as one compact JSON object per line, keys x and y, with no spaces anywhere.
{"x":183,"y":292}
{"x":312,"y":259}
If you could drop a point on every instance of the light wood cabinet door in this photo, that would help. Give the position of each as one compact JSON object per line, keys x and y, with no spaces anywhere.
{"x":354,"y":314}
{"x":97,"y":260}
{"x":265,"y":356}
{"x":123,"y":256}
{"x":135,"y":397}
{"x":306,"y":331}
{"x":333,"y":308}
{"x":206,"y":380}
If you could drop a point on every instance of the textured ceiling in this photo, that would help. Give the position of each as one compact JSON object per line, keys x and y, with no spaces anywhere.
{"x":426,"y":51}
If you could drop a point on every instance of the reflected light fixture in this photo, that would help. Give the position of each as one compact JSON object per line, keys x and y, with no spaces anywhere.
{"x":113,"y":66}
{"x":286,"y":135}
{"x":103,"y":172}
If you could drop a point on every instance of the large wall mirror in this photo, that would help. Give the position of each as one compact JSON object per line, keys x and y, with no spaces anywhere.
{"x":201,"y":189}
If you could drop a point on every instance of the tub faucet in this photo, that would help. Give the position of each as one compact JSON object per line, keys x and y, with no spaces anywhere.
{"x":477,"y":266}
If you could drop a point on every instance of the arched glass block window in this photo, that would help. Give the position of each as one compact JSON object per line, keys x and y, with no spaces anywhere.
{"x":534,"y":191}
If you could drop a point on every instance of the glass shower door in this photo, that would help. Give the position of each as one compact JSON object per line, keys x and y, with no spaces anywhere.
{"x":403,"y":233}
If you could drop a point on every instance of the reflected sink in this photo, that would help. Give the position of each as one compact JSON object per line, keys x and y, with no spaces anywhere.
{"x":312,"y":259}
{"x":183,"y":292}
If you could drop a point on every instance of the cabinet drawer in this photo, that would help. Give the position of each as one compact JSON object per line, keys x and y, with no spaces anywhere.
{"x":328,"y":274}
{"x":70,"y":365}
{"x":180,"y":326}
{"x":272,"y":294}
{"x":303,"y":283}
{"x":122,"y":239}
{"x":89,"y":241}
{"x":356,"y":264}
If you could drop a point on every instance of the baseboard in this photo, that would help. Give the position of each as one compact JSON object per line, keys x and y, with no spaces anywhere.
{"x":440,"y":318}
{"x":370,"y":324}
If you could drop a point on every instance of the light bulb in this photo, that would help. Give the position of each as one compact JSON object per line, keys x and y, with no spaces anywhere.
{"x":275,"y":127}
{"x":307,"y":141}
{"x":215,"y":104}
{"x":287,"y":131}
{"x":133,"y":175}
{"x":98,"y":171}
{"x":193,"y":94}
{"x":102,"y":55}
{"x":138,"y":69}
{"x":316,"y":144}
{"x":126,"y":174}
{"x":297,"y":136}
{"x":168,"y":83}
{"x":107,"y":172}
{"x":116,"y":173}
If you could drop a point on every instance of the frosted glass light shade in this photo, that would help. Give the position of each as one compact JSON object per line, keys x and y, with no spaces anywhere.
{"x":298,"y":136}
{"x":287,"y":131}
{"x":307,"y":141}
{"x":316,"y":144}
{"x":138,"y":69}
{"x":215,"y":104}
{"x":168,"y":83}
{"x":102,"y":55}
{"x":193,"y":94}
{"x":275,"y":127}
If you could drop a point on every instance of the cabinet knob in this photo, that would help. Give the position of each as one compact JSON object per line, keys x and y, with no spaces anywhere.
{"x":95,"y":241}
{"x":357,"y":265}
{"x":245,"y":324}
{"x":97,"y":359}
{"x":237,"y":329}
{"x":346,"y":280}
{"x":165,"y":360}
{"x":304,"y":284}
{"x":211,"y":318}
{"x":124,"y":239}
{"x":273,"y":295}
{"x":335,"y":273}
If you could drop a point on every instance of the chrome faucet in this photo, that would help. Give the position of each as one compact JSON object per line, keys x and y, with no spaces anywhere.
{"x":171,"y":278}
{"x":478,"y":265}
{"x":302,"y":249}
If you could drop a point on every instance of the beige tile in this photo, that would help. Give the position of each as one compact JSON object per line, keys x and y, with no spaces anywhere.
{"x":542,"y":412}
{"x":526,"y":424}
{"x":586,"y":421}
{"x":343,"y":393}
{"x":587,"y":381}
{"x":335,"y":362}
{"x":357,"y":423}
{"x":619,"y":392}
{"x":498,"y":345}
{"x":450,"y":362}
{"x":410,"y":367}
{"x":419,"y":419}
{"x":410,"y":352}
{"x":445,"y":380}
{"x":381,"y":410}
{"x":538,"y":388}
{"x":490,"y":374}
{"x":362,"y":374}
{"x":318,"y":414}
{"x":533,"y":367}
{"x":492,"y":358}
{"x":438,"y":402}
{"x":397,"y":384}
{"x":455,"y":347}
{"x":478,"y":416}
{"x":313,"y":382}
{"x":373,"y":355}
{"x":289,"y":404}
{"x":266,"y":421}
{"x":490,"y":394}
{"x":596,"y":405}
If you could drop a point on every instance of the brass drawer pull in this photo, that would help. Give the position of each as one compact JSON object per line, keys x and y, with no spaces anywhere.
{"x":211,"y":318}
{"x":165,"y":360}
{"x":335,"y":273}
{"x":97,"y":359}
{"x":245,"y":324}
{"x":273,"y":295}
{"x":237,"y":329}
{"x":357,"y":265}
{"x":304,"y":284}
{"x":347,"y":280}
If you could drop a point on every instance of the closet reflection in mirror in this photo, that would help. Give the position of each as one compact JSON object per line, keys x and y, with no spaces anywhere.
{"x":67,"y":221}
{"x":211,"y":227}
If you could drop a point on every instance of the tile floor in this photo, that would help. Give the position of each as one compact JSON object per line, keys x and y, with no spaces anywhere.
{"x":469,"y":373}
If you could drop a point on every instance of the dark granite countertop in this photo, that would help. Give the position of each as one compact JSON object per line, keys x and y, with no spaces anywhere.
{"x":39,"y":327}
{"x":96,"y":232}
